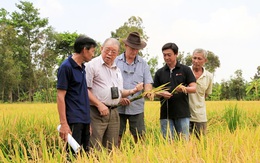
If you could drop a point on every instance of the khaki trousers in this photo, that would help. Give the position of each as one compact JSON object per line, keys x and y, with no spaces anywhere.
{"x":105,"y":129}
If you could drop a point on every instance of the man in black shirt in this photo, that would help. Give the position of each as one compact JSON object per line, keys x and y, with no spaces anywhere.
{"x":175,"y":112}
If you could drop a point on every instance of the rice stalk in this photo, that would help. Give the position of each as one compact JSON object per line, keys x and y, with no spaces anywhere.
{"x":173,"y":91}
{"x":150,"y":93}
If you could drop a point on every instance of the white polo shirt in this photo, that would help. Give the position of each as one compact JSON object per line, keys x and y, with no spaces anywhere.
{"x":197,"y":100}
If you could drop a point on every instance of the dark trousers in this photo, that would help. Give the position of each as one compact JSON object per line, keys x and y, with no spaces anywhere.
{"x":198,"y":128}
{"x":80,"y":132}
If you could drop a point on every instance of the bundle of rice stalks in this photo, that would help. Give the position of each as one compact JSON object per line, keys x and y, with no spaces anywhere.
{"x":174,"y":91}
{"x":151,"y":93}
{"x":179,"y":86}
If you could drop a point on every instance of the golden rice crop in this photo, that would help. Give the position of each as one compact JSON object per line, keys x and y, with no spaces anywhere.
{"x":28,"y":134}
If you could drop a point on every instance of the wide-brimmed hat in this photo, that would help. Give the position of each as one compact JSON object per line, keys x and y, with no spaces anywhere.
{"x":134,"y":41}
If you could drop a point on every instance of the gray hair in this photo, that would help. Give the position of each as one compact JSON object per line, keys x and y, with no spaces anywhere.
{"x":200,"y":50}
{"x":112,"y":41}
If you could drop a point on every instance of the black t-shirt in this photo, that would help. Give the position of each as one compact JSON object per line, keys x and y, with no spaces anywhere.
{"x":178,"y":105}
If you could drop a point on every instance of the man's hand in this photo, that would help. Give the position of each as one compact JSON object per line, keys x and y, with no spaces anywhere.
{"x":139,"y":87}
{"x":103,"y":109}
{"x":150,"y":95}
{"x":124,"y":101}
{"x":182,"y":89}
{"x":165,"y":94}
{"x":64,"y":131}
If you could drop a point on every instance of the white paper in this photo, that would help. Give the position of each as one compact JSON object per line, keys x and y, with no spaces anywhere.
{"x":72,"y":142}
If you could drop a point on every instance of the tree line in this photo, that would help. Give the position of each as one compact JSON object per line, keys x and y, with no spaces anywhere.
{"x":31,"y":51}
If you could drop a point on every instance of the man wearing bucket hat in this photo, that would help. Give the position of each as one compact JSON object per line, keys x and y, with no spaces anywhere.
{"x":134,"y":70}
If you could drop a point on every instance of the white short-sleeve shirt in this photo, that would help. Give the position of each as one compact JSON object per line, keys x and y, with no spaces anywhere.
{"x":100,"y":78}
{"x":197,"y":100}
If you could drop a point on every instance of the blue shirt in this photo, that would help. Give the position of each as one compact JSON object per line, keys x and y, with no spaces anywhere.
{"x":72,"y":78}
{"x":137,"y":72}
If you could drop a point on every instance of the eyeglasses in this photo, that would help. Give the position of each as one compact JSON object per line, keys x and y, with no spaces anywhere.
{"x":129,"y":72}
{"x":107,"y":50}
{"x":129,"y":69}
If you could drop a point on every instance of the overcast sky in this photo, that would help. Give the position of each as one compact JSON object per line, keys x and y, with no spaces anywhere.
{"x":228,"y":28}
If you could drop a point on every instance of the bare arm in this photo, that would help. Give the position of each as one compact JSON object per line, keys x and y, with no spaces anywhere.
{"x":138,"y":87}
{"x":148,"y":87}
{"x":191,"y":88}
{"x":65,"y":129}
{"x":126,"y":101}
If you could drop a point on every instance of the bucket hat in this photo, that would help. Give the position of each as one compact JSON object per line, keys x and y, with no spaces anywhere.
{"x":134,"y":41}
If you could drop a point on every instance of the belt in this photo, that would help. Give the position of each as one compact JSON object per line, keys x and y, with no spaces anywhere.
{"x":111,"y":107}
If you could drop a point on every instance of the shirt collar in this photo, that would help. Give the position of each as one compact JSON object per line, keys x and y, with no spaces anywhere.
{"x":203,"y":73}
{"x":73,"y":63}
{"x":178,"y":65}
{"x":103,"y":62}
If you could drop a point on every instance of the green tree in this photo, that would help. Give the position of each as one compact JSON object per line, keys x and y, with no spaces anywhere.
{"x":9,"y":71}
{"x":216,"y":92}
{"x":252,"y":88}
{"x":153,"y":62}
{"x":181,"y":58}
{"x":188,"y":59}
{"x":30,"y":29}
{"x":46,"y":66}
{"x":257,"y":74}
{"x":225,"y":90}
{"x":213,"y":62}
{"x":64,"y":45}
{"x":4,"y":20}
{"x":238,"y":85}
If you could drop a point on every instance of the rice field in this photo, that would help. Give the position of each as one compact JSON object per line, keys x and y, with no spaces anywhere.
{"x":28,"y":134}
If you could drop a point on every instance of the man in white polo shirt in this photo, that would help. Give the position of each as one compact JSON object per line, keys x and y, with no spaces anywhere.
{"x":204,"y":80}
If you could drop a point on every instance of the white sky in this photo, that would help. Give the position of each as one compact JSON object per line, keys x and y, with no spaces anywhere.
{"x":230,"y":29}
